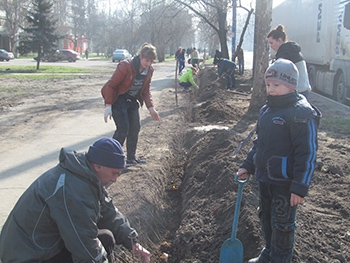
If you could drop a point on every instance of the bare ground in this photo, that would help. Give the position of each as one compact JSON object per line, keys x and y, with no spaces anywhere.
{"x":182,"y":201}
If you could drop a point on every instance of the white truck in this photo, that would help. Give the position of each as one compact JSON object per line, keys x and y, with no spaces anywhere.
{"x":322,"y":29}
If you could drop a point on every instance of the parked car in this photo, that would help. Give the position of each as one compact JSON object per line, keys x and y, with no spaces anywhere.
{"x":11,"y":55}
{"x":51,"y":57}
{"x":120,"y":54}
{"x":60,"y":55}
{"x":5,"y":55}
{"x":70,"y":55}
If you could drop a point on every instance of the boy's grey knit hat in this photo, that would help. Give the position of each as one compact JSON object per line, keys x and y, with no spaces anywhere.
{"x":284,"y":72}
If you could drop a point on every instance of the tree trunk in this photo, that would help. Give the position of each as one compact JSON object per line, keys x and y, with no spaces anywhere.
{"x":250,"y":12}
{"x":261,"y":52}
{"x":161,"y":53}
{"x":222,"y":32}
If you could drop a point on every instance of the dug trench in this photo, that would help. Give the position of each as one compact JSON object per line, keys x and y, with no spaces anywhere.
{"x":182,"y":202}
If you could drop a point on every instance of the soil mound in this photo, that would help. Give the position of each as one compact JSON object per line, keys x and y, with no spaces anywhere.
{"x":203,"y":175}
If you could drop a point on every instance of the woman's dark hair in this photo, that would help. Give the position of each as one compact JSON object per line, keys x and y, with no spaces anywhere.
{"x":278,"y":32}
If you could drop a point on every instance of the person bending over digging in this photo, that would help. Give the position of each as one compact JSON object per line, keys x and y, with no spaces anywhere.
{"x":66,"y":214}
{"x":186,"y":80}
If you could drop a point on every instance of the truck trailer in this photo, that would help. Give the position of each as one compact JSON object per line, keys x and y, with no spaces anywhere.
{"x":322,"y":29}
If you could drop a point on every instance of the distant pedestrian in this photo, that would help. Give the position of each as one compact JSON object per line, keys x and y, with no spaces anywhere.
{"x":194,"y":53}
{"x":87,"y":53}
{"x":181,"y":60}
{"x":189,"y":51}
{"x":177,"y":52}
{"x":124,"y":93}
{"x":240,"y":58}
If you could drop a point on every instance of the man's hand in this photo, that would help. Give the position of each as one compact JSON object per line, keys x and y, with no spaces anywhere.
{"x":108,"y":112}
{"x":154,"y":114}
{"x":142,"y":254}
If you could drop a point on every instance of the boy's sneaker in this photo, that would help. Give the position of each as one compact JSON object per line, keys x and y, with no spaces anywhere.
{"x":264,"y":257}
{"x":136,"y":161}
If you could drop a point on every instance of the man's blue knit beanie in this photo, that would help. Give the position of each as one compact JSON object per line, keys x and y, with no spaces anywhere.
{"x":107,"y":152}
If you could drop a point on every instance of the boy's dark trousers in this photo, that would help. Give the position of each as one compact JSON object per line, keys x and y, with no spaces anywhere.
{"x":278,"y":223}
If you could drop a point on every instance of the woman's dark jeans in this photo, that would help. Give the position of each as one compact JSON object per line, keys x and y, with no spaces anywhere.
{"x":125,"y":112}
{"x":278,"y":222}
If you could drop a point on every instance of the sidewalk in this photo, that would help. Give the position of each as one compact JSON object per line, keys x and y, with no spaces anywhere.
{"x":75,"y":129}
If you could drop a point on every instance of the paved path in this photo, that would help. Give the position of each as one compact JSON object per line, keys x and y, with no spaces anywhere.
{"x":76,"y":129}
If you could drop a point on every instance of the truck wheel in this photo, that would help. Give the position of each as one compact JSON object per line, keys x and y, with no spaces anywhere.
{"x":312,"y":77}
{"x":340,"y":89}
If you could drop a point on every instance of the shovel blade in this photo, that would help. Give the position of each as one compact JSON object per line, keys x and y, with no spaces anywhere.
{"x":231,"y":251}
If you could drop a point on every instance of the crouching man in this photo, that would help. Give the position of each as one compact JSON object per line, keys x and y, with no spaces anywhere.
{"x":66,"y":214}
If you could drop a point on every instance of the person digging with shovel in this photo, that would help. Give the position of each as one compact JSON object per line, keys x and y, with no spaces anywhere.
{"x":226,"y":69}
{"x":283,"y":159}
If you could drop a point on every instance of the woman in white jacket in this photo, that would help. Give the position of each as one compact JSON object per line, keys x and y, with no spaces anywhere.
{"x":290,"y":50}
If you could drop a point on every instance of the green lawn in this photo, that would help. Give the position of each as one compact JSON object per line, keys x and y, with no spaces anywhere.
{"x":45,"y":72}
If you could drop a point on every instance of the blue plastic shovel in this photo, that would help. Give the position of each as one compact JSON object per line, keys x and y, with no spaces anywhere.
{"x":232,"y":249}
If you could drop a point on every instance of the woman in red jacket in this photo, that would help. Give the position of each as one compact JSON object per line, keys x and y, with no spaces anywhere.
{"x":124,"y":92}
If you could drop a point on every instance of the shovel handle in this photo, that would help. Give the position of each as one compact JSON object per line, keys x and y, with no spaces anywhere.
{"x":238,"y":205}
{"x":242,"y":181}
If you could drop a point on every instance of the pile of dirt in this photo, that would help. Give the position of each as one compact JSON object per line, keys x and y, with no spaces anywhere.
{"x":182,"y":201}
{"x":198,"y":204}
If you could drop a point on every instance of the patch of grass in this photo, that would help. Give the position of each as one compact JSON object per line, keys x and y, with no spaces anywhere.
{"x":94,"y":56}
{"x":43,"y":69}
{"x":339,"y":126}
{"x":341,"y":123}
{"x":10,"y":90}
{"x":38,"y":76}
{"x":44,"y":73}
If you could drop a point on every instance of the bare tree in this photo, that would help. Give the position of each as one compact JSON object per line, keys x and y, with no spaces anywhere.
{"x":208,"y":38}
{"x":250,"y":12}
{"x":214,"y":13}
{"x":78,"y":20}
{"x":15,"y":12}
{"x":261,"y":52}
{"x":161,"y":22}
{"x":61,"y":10}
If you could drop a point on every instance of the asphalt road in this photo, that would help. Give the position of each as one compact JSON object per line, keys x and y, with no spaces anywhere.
{"x":76,"y":129}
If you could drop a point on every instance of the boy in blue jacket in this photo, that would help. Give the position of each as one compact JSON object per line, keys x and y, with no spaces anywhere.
{"x":283,"y":159}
